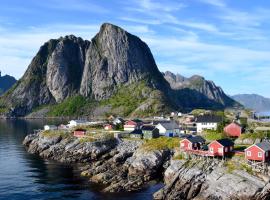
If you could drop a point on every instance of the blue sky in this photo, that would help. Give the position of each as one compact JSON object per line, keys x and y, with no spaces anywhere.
{"x":224,"y":41}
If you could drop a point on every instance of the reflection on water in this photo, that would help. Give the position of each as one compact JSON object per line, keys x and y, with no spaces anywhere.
{"x":26,"y":176}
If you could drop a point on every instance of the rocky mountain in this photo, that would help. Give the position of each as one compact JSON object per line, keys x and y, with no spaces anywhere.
{"x":115,"y":72}
{"x":6,"y":82}
{"x":198,"y":87}
{"x":253,"y":101}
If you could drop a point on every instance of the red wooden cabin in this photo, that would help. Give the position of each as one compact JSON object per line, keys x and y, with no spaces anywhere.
{"x":233,"y":129}
{"x":131,"y":125}
{"x":221,"y":147}
{"x":192,"y":143}
{"x":108,"y":127}
{"x":258,"y":152}
{"x":79,"y":133}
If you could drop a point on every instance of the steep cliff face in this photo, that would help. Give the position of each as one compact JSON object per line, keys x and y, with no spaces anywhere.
{"x":99,"y":71}
{"x":53,"y":75}
{"x":114,"y":58}
{"x":203,"y":89}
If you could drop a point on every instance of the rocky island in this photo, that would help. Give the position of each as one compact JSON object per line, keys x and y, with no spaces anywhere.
{"x":125,"y":165}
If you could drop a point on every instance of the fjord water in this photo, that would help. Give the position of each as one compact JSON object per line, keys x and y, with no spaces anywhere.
{"x":26,"y":176}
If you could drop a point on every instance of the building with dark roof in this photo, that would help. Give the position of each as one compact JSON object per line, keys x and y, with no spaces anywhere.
{"x":169,"y":128}
{"x":192,"y":143}
{"x":207,"y":122}
{"x":222,"y":147}
{"x":150,"y":132}
{"x":258,"y":152}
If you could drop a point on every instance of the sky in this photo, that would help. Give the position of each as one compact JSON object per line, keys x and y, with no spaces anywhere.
{"x":227,"y":41}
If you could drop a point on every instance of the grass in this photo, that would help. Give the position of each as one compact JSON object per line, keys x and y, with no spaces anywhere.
{"x":214,"y":135}
{"x":236,"y":165}
{"x":178,"y":157}
{"x":73,"y":106}
{"x":161,"y":143}
{"x":260,"y":135}
{"x":55,"y":133}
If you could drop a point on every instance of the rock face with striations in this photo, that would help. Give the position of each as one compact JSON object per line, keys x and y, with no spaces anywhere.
{"x":116,"y":57}
{"x":97,"y":69}
{"x":197,"y":84}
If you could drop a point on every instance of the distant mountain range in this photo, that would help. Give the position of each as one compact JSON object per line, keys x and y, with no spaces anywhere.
{"x":114,"y":73}
{"x":6,"y":82}
{"x":253,"y":101}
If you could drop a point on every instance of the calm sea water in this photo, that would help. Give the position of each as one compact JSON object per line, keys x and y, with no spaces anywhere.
{"x":26,"y":176}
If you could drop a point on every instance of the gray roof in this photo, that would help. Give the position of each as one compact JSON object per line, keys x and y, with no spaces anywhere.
{"x":170,"y":125}
{"x":196,"y":139}
{"x":208,"y":119}
{"x":264,"y":145}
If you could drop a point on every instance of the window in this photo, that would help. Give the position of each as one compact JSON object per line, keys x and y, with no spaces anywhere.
{"x":189,"y":145}
{"x":266,"y":153}
{"x":226,"y":149}
{"x":248,"y":153}
{"x":211,"y":150}
{"x":220,"y":150}
{"x":182,"y":144}
{"x":260,"y":154}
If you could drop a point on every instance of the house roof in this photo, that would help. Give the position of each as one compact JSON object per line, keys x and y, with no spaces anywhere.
{"x":225,"y":142}
{"x":137,"y":120}
{"x":170,"y":125}
{"x":264,"y":145}
{"x":136,"y":131}
{"x":148,"y":128}
{"x":80,"y":129}
{"x":196,"y":139}
{"x":159,"y":122}
{"x":208,"y":119}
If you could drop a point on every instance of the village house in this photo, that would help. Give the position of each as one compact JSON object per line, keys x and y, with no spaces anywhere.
{"x":108,"y":127}
{"x":150,"y":132}
{"x":192,"y":143}
{"x":207,"y":122}
{"x":258,"y":152}
{"x":233,"y":129}
{"x":74,"y":123}
{"x":79,"y":133}
{"x":132,"y":125}
{"x":137,"y":133}
{"x":50,"y":127}
{"x":118,"y":121}
{"x":168,"y":128}
{"x":222,"y":147}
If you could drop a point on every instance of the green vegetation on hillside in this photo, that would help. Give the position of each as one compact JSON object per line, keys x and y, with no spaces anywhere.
{"x":161,"y":143}
{"x":211,"y":135}
{"x":129,"y":97}
{"x":259,"y":135}
{"x":73,"y":106}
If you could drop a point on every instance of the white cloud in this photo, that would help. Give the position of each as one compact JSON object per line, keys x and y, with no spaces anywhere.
{"x":219,"y":3}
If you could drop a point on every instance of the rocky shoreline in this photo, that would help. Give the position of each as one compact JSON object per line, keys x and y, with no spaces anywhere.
{"x":123,"y":166}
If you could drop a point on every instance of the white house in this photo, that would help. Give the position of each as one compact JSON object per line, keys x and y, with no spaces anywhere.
{"x":74,"y":123}
{"x":168,"y":128}
{"x":50,"y":127}
{"x":207,"y":122}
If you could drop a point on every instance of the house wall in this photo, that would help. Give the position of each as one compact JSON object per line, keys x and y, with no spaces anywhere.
{"x":161,"y":129}
{"x":254,"y":154}
{"x":217,"y":149}
{"x":206,"y":126}
{"x":186,"y":145}
{"x":233,"y":130}
{"x":130,"y":127}
{"x":79,"y":133}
